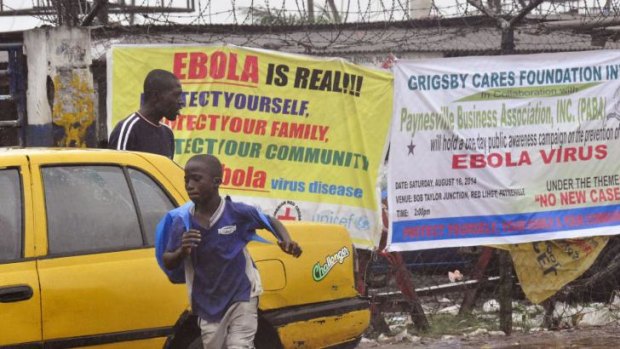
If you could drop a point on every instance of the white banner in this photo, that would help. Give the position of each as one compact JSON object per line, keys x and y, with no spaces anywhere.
{"x":511,"y":149}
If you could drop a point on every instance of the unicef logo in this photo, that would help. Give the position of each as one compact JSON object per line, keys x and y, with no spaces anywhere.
{"x":362,"y":223}
{"x":349,"y":220}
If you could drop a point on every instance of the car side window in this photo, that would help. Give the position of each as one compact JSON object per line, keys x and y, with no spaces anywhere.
{"x":10,"y":215}
{"x":152,"y":201}
{"x":89,"y":208}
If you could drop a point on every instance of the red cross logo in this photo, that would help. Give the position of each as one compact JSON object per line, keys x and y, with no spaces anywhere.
{"x":287,"y":215}
{"x":291,"y":211}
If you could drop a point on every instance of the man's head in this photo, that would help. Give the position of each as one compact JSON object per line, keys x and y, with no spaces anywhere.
{"x":203,"y":176}
{"x":162,"y":93}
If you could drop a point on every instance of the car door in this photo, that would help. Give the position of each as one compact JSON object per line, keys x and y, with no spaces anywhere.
{"x":100,"y":282}
{"x":20,"y":307}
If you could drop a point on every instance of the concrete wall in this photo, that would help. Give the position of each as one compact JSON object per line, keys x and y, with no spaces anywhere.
{"x":61,"y":104}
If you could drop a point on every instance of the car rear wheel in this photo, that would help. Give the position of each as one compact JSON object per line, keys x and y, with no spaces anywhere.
{"x":196,"y":344}
{"x":185,"y":333}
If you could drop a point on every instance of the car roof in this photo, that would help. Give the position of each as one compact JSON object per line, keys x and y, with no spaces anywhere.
{"x":105,"y":155}
{"x":46,"y":151}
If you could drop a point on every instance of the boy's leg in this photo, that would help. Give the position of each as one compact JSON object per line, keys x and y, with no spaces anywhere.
{"x":212,"y":334}
{"x":242,"y":325}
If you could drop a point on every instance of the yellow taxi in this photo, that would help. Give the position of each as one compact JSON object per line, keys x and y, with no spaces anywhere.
{"x":77,"y":264}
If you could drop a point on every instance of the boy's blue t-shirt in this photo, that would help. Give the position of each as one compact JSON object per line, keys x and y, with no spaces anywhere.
{"x":220,"y":278}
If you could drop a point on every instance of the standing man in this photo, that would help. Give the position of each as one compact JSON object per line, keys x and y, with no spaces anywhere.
{"x":142,"y":130}
{"x":223,"y":282}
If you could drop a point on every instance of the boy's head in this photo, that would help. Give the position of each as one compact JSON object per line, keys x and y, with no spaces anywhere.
{"x":203,"y":176}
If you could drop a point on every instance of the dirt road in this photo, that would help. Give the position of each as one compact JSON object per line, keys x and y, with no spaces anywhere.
{"x":586,"y":337}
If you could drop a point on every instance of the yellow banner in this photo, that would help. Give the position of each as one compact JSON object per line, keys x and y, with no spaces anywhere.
{"x":287,"y":128}
{"x":545,"y":267}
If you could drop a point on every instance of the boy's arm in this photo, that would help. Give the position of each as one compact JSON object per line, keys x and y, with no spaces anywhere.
{"x":173,"y":258}
{"x":284,"y":239}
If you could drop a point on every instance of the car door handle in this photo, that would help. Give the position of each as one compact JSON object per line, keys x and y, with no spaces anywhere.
{"x":15,"y":293}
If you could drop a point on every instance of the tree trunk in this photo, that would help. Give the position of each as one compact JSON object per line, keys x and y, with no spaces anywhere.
{"x":505,"y":292}
{"x":478,"y":273}
{"x":334,"y":10}
{"x":508,"y":41}
{"x":404,"y":279}
{"x":311,"y":11}
{"x":67,"y":12}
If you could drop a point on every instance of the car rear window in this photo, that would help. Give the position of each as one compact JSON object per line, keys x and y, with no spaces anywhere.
{"x":89,"y":208}
{"x":10,"y":215}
